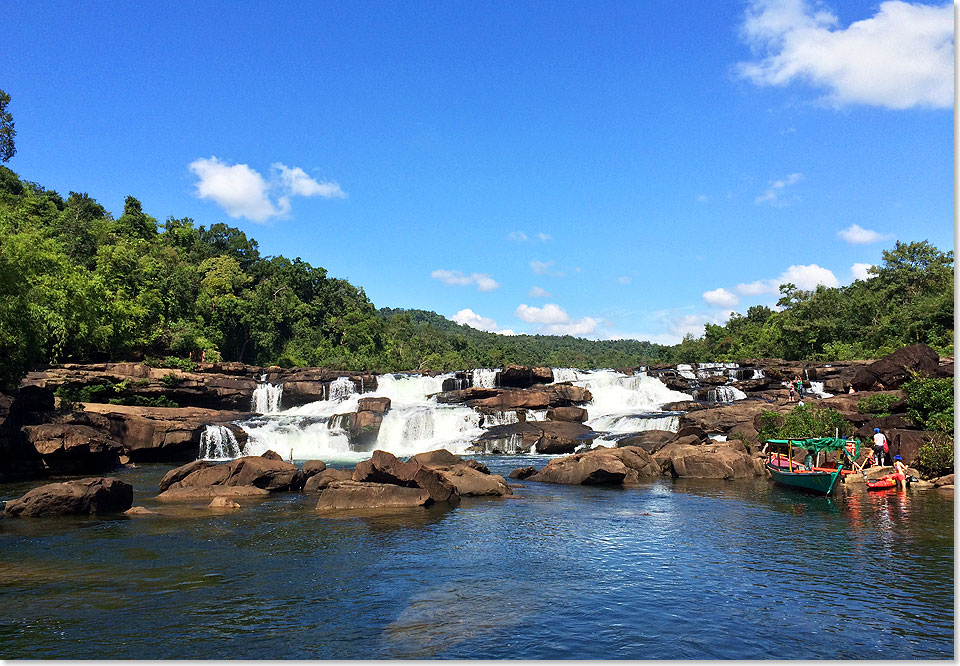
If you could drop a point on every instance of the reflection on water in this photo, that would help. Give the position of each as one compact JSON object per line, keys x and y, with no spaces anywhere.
{"x":668,"y":570}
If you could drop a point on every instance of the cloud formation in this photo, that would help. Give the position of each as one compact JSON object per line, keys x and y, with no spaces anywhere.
{"x":242,"y":192}
{"x":543,"y":268}
{"x":555,"y":320}
{"x":517,"y":236}
{"x":623,"y":279}
{"x":857,"y":235}
{"x":473,"y":320}
{"x":774,"y":192}
{"x":721,"y":298}
{"x":805,"y":277}
{"x":859,"y":271}
{"x":483,"y":280}
{"x":539,"y":292}
{"x":902,"y":57}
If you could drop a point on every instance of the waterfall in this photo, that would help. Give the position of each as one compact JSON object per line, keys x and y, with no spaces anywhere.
{"x":218,"y":442}
{"x":565,"y":375}
{"x":685,"y":370}
{"x":266,"y":397}
{"x":816,"y":388}
{"x":757,"y":373}
{"x":725,"y":394}
{"x":485,"y":377}
{"x":616,"y":394}
{"x":626,"y":423}
{"x":340,"y":389}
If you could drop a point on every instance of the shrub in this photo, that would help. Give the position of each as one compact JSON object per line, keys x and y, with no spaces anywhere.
{"x":171,"y":380}
{"x":802,"y":422}
{"x":930,"y":403}
{"x":935,"y":457}
{"x":877,"y":404}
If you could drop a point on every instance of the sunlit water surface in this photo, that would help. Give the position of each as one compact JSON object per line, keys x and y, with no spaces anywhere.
{"x":670,"y":570}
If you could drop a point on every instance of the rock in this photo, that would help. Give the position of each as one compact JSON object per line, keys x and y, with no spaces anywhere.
{"x":706,"y":461}
{"x":263,"y":473}
{"x":511,"y":439}
{"x":221,"y":502}
{"x":375,"y":405}
{"x":562,"y":436}
{"x":518,"y":376}
{"x":339,"y":495}
{"x":271,"y":455}
{"x":720,"y":419}
{"x":689,"y":430}
{"x":74,"y":449}
{"x":602,"y":466}
{"x":467,"y":480}
{"x":648,"y":440}
{"x":943,"y":481}
{"x":555,"y":395}
{"x":477,"y":465}
{"x":683,"y":406}
{"x":140,"y":511}
{"x":466,"y":395}
{"x":86,"y":496}
{"x":202,"y":493}
{"x":319,"y":481}
{"x":312,"y":468}
{"x":572,"y":414}
{"x":893,"y":370}
{"x":523,"y":472}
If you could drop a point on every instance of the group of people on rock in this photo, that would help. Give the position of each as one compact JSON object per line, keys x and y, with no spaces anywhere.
{"x":796,"y":388}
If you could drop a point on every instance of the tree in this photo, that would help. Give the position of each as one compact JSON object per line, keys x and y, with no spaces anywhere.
{"x":7,"y":132}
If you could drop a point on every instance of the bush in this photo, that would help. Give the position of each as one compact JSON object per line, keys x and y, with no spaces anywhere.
{"x":935,"y":458}
{"x":803,"y":422}
{"x":171,"y":380}
{"x":930,"y":403}
{"x":877,"y":404}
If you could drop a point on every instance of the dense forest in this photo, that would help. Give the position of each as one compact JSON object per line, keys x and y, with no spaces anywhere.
{"x":78,"y":284}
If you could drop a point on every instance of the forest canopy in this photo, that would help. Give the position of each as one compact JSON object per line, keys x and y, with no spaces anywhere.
{"x":78,"y":284}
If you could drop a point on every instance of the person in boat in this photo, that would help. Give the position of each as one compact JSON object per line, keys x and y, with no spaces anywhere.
{"x":808,"y":460}
{"x":900,"y":472}
{"x":879,"y":445}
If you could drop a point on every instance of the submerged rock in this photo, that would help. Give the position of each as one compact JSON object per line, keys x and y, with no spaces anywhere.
{"x":340,"y":495}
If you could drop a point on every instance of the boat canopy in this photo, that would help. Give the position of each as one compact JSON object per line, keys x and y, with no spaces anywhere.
{"x":822,"y":444}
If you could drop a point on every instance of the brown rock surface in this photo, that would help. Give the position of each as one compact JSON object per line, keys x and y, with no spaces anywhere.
{"x":340,"y":495}
{"x":892,"y":371}
{"x":705,"y":461}
{"x":601,"y":466}
{"x":86,"y":496}
{"x":572,"y":414}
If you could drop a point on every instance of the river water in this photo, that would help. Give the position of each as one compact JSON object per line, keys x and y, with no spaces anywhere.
{"x":670,"y":570}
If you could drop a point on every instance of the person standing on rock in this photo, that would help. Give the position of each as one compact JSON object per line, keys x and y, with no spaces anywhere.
{"x":799,"y":383}
{"x":791,"y":391}
{"x":880,"y":446}
{"x":900,"y":472}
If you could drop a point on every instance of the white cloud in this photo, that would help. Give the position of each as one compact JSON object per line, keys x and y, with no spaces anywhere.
{"x":548,"y":314}
{"x":721,"y":298}
{"x":543,"y":237}
{"x":775,"y":191}
{"x":538,"y":292}
{"x":473,"y":320}
{"x":623,"y":279}
{"x":242,"y":192}
{"x":238,"y":189}
{"x":901,"y":57}
{"x":518,"y":236}
{"x":805,"y":277}
{"x":857,"y":235}
{"x":483,"y":280}
{"x":577,"y":327}
{"x":859,"y":271}
{"x":543,"y":268}
{"x":297,"y":183}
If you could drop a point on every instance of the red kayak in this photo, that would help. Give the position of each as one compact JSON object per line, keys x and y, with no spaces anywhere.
{"x":884,"y":482}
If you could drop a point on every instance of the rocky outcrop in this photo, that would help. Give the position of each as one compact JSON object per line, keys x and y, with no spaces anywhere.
{"x":572,"y":414}
{"x":562,"y":436}
{"x":18,"y":458}
{"x":162,"y":434}
{"x":317,"y":482}
{"x":70,"y":448}
{"x":520,"y":376}
{"x":83,"y":497}
{"x":487,"y":400}
{"x":523,"y":472}
{"x":346,"y":495}
{"x":648,"y":440}
{"x":892,"y":371}
{"x":263,"y":473}
{"x":363,"y":426}
{"x":601,"y":466}
{"x":718,"y":460}
{"x":719,"y":420}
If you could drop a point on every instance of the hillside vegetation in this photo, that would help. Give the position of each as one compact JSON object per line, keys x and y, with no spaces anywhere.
{"x":78,"y":284}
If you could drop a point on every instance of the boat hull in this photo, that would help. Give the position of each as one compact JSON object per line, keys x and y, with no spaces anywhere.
{"x":821,"y":483}
{"x":882,"y":483}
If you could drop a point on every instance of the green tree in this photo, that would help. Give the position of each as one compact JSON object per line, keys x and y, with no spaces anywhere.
{"x":7,"y":132}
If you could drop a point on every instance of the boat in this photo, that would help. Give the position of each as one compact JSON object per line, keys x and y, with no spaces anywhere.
{"x":786,"y":472}
{"x":882,"y":483}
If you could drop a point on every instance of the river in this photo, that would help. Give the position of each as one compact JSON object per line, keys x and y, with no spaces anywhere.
{"x":673,"y":569}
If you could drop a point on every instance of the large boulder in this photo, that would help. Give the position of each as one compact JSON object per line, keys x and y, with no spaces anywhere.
{"x":519,"y":376}
{"x":256,"y":471}
{"x":721,"y":460}
{"x":341,"y":495}
{"x":86,"y":496}
{"x":465,"y":477}
{"x":721,"y":419}
{"x":69,"y":448}
{"x":572,"y":414}
{"x":892,"y":371}
{"x":648,"y":440}
{"x":318,"y":482}
{"x":562,"y":436}
{"x":602,"y":466}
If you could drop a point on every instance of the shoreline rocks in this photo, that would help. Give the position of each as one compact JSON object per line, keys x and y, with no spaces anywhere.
{"x":81,"y":497}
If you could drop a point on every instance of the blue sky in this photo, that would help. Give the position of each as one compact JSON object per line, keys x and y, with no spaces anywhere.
{"x":606,"y":169}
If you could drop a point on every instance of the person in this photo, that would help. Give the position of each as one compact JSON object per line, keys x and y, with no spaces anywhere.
{"x":870,"y":460}
{"x":851,"y":391}
{"x":900,"y":472}
{"x":880,"y":446}
{"x":799,"y":383}
{"x":791,"y":391}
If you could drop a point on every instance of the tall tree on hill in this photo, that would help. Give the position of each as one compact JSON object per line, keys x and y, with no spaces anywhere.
{"x":7,"y":132}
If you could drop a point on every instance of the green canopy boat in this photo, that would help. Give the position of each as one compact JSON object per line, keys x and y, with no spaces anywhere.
{"x":785,"y":471}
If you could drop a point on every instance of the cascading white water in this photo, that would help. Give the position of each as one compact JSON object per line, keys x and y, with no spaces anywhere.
{"x":725,"y":394}
{"x":757,"y":373}
{"x":415,"y":422}
{"x":621,"y":402}
{"x":218,"y":442}
{"x":485,"y":377}
{"x":266,"y":397}
{"x":816,"y":388}
{"x":685,"y":370}
{"x":565,"y":375}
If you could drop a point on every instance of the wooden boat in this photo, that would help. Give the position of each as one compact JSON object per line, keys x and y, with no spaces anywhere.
{"x":784,"y":471}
